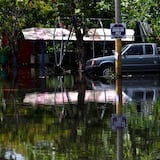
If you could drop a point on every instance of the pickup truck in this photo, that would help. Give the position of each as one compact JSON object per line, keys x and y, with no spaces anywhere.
{"x":136,"y":57}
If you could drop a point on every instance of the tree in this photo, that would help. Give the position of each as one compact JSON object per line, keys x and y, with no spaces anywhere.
{"x":139,"y":10}
{"x":40,"y":13}
{"x":77,"y":15}
{"x":10,"y":22}
{"x":18,"y":14}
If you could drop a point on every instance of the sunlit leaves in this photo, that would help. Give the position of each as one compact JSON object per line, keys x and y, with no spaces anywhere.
{"x":102,"y":5}
{"x":140,"y":10}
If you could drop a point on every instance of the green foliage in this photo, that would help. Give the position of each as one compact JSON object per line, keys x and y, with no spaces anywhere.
{"x":82,"y":10}
{"x":132,"y":10}
{"x":5,"y":50}
{"x":140,"y":10}
{"x":143,"y":131}
{"x":40,"y":13}
{"x":16,"y":15}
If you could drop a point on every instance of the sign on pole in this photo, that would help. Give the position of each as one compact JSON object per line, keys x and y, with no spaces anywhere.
{"x":118,"y":30}
{"x":119,"y":122}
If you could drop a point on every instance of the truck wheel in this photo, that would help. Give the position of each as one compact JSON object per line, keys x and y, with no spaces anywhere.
{"x":108,"y":72}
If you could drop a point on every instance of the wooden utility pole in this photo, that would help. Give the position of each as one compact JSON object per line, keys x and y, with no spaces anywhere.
{"x":118,"y":64}
{"x":118,"y":72}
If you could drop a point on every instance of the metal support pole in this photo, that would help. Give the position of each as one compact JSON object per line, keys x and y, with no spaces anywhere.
{"x":117,"y":11}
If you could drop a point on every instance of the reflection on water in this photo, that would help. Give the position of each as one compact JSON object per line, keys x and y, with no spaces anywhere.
{"x":63,"y":117}
{"x":144,"y":90}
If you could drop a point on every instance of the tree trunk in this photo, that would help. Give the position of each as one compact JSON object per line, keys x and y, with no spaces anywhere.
{"x":78,"y":26}
{"x":80,"y":53}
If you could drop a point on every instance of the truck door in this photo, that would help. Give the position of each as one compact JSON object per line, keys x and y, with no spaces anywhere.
{"x":150,"y":58}
{"x":132,"y":59}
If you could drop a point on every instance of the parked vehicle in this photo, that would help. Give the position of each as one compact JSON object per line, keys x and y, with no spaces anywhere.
{"x":136,"y":57}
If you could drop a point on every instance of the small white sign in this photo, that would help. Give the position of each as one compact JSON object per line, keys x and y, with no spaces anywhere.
{"x":118,"y":30}
{"x":119,"y":122}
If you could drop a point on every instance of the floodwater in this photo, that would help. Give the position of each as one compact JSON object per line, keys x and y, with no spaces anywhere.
{"x":47,"y":117}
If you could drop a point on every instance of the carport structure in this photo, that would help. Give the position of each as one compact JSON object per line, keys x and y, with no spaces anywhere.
{"x":100,"y":37}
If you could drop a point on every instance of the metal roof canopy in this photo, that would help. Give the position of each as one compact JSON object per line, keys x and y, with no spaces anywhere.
{"x":59,"y":34}
{"x":104,"y":34}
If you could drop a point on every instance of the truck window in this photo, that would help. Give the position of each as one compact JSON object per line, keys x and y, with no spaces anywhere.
{"x":124,"y":47}
{"x":149,"y":49}
{"x":135,"y":50}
